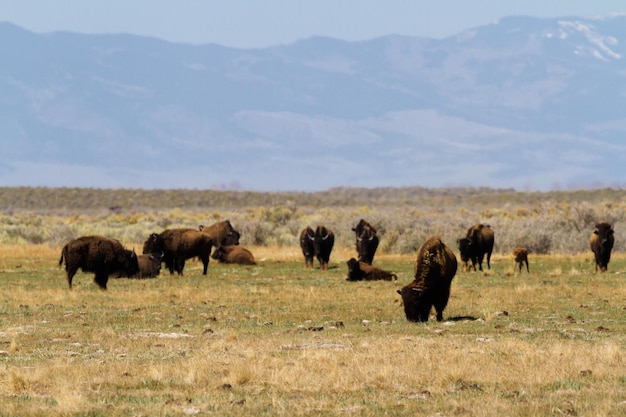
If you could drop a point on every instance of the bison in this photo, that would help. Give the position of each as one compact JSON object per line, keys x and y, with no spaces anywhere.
{"x":149,"y":265}
{"x":435,"y":268}
{"x":366,"y":241}
{"x":520,"y":257}
{"x":478,"y":242}
{"x":233,"y":254}
{"x":100,"y":255}
{"x":601,"y":243}
{"x":359,"y":271}
{"x":178,"y":245}
{"x":222,"y":233}
{"x":318,"y":243}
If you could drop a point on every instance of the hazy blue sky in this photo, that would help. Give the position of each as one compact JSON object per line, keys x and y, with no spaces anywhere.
{"x":260,"y":23}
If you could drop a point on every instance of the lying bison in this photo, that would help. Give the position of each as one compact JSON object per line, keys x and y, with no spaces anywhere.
{"x":361,"y":271}
{"x":233,"y":254}
{"x":149,"y":265}
{"x":366,"y":241}
{"x":520,"y":257}
{"x":434,"y":270}
{"x":178,"y":245}
{"x":601,"y":242}
{"x":318,"y":243}
{"x":477,"y":243}
{"x":100,"y":255}
{"x":223,"y":233}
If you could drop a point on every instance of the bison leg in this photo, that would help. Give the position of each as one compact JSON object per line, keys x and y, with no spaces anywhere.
{"x":441,"y":303}
{"x":70,"y":275}
{"x":308,"y":262}
{"x":205,"y":263}
{"x":527,"y":269}
{"x":101,"y":279}
{"x":179,"y":265}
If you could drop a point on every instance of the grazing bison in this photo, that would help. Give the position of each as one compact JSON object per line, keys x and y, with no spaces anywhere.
{"x":100,"y":255}
{"x":359,"y":271}
{"x":434,"y":270}
{"x":318,"y":243}
{"x":222,"y":233}
{"x":178,"y":245}
{"x":601,"y":243}
{"x":233,"y":254}
{"x":366,"y":241}
{"x":520,"y":257}
{"x":477,"y":243}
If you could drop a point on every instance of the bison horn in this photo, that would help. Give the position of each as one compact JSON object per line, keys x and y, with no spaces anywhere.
{"x":419,"y":291}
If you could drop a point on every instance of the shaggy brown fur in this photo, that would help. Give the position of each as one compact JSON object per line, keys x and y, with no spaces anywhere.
{"x":478,"y":243}
{"x":233,"y":254}
{"x":435,"y":268}
{"x":100,"y":255}
{"x":318,"y":243}
{"x":601,"y":242}
{"x":223,"y":233}
{"x":359,"y":271}
{"x":520,"y":257}
{"x":178,"y":245}
{"x":366,"y":241}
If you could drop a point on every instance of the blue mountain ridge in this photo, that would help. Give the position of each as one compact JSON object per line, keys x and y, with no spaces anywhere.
{"x":526,"y":103}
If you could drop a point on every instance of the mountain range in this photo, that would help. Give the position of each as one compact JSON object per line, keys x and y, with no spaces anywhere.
{"x":524,"y":103}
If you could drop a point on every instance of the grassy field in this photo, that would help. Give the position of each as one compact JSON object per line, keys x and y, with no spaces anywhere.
{"x":276,"y":339}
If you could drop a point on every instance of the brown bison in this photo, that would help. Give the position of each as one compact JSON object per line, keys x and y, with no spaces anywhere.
{"x":520,"y":257}
{"x":149,"y":267}
{"x":477,"y":243}
{"x":233,"y":254}
{"x":434,"y":270}
{"x":222,"y":233}
{"x":601,"y":242}
{"x":359,"y":271}
{"x":178,"y":245}
{"x":366,"y":241}
{"x":318,"y":243}
{"x":100,"y":255}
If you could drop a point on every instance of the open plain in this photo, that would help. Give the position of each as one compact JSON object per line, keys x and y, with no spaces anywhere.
{"x":278,"y":339}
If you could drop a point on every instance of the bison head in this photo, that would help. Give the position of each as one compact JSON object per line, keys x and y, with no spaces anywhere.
{"x":354,"y":270}
{"x":154,"y":244}
{"x":416,"y":303}
{"x":364,"y":231}
{"x":130,"y":263}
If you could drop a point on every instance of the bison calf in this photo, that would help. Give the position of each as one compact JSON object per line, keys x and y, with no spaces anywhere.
{"x":100,"y":255}
{"x":233,"y":254}
{"x":359,"y":271}
{"x":520,"y":257}
{"x":435,"y":268}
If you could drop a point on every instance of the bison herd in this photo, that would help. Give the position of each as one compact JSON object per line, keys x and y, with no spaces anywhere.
{"x":434,"y":268}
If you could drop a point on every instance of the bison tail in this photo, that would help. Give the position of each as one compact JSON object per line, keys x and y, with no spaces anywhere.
{"x":63,"y":256}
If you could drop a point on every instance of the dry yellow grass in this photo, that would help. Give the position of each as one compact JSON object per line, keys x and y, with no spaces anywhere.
{"x":276,"y":339}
